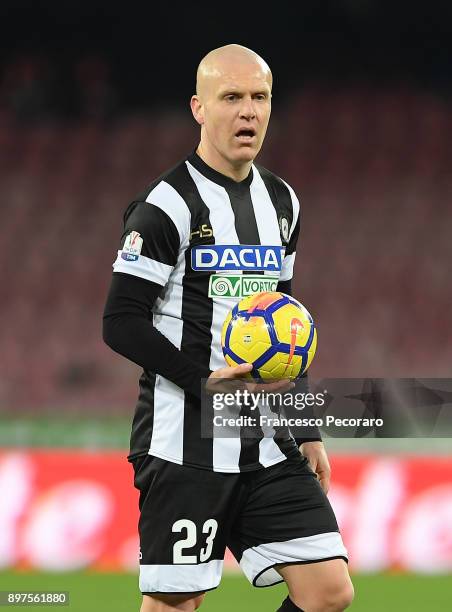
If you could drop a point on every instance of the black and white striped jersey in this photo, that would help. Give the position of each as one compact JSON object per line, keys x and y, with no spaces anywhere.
{"x":207,"y":241}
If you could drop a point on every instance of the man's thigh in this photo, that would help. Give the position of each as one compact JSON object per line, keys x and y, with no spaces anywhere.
{"x":185,"y":519}
{"x":318,"y":586}
{"x":287,"y":519}
{"x":164,"y":603}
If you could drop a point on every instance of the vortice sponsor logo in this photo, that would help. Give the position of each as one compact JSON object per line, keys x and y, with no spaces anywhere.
{"x":237,"y":257}
{"x":238,"y":286}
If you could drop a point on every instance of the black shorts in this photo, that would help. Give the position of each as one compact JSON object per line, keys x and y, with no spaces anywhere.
{"x":266,"y":517}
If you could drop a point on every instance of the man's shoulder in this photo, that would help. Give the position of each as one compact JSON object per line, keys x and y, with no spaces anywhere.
{"x":169,"y":176}
{"x":173,"y":177}
{"x":269,"y":175}
{"x":277,"y":187}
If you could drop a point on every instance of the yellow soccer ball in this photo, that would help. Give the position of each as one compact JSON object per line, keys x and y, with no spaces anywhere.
{"x":274,"y":332}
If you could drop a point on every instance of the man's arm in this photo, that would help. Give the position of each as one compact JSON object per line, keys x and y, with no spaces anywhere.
{"x":312,"y":448}
{"x":315,"y":453}
{"x":154,"y":233}
{"x":128,"y":330}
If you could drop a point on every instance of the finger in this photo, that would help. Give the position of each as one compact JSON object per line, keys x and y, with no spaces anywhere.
{"x":324,"y":480}
{"x":313,"y":463}
{"x":277,"y":385}
{"x":252,"y":387}
{"x":241,"y":369}
{"x":286,"y":385}
{"x":230,"y":372}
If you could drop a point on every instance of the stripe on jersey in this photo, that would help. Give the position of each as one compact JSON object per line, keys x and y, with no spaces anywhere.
{"x":169,"y":402}
{"x":144,"y":267}
{"x":167,"y":433}
{"x":225,"y":451}
{"x":165,"y":197}
{"x":258,"y":204}
{"x":295,"y":207}
{"x":269,"y":449}
{"x":248,"y":233}
{"x":287,"y":267}
{"x":196,"y":316}
{"x":168,"y":399}
{"x":279,"y":194}
{"x":267,"y":222}
{"x":286,"y":204}
{"x":264,"y":211}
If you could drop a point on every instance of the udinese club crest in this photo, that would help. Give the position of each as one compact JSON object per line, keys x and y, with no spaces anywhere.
{"x":284,"y":227}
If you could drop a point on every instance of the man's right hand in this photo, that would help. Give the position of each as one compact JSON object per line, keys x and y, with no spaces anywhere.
{"x":228,"y":379}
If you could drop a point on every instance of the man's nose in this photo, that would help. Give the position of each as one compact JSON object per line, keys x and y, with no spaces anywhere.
{"x":247,"y":110}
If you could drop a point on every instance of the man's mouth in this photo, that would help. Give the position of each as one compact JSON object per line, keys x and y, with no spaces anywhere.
{"x":245,"y":134}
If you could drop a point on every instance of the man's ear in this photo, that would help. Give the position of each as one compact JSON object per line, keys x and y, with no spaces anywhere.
{"x":197,"y":109}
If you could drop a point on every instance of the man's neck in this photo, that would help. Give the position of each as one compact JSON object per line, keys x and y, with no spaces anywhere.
{"x":218,"y":163}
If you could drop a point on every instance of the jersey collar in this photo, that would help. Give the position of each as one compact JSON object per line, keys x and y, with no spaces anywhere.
{"x":219,"y":178}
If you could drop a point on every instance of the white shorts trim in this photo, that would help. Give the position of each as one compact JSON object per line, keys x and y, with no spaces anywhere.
{"x":257,"y":562}
{"x":180,"y":578}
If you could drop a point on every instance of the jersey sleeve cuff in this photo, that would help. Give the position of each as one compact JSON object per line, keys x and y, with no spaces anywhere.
{"x":143,"y":267}
{"x":301,"y":441}
{"x":197,"y":381}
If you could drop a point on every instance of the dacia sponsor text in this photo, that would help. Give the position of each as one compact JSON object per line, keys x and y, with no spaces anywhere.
{"x":225,"y":257}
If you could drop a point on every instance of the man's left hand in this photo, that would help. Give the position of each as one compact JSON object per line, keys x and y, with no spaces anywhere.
{"x":315,"y":453}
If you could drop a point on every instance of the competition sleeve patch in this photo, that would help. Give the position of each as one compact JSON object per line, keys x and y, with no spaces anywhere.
{"x":132,"y":247}
{"x":149,"y":244}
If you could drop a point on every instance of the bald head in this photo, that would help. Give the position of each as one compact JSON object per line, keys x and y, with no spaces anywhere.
{"x":226,"y":62}
{"x":233,"y":106}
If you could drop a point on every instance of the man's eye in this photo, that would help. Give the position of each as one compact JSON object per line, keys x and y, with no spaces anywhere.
{"x":231,"y":97}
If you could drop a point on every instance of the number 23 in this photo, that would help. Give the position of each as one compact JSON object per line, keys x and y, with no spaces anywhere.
{"x":210,"y":528}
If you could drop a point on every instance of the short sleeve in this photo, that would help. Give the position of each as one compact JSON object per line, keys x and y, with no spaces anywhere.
{"x":149,"y":245}
{"x":289,"y":255}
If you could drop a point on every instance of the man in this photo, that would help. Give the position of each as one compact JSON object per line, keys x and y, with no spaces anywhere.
{"x":259,"y":497}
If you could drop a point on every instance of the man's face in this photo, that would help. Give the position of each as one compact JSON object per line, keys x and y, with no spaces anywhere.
{"x":236,"y":109}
